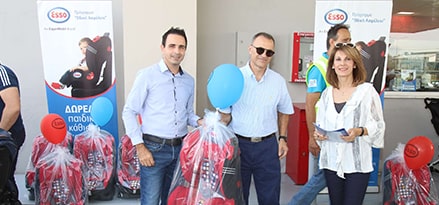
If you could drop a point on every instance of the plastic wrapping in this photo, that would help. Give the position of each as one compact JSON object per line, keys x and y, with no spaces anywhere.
{"x":209,"y":169}
{"x":59,"y":179}
{"x":40,"y":148}
{"x":403,"y":186}
{"x":96,"y":148}
{"x":128,"y":170}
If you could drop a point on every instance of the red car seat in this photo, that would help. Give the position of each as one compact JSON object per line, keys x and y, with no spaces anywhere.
{"x":40,"y":148}
{"x":59,"y":179}
{"x":403,"y":186}
{"x":208,"y":172}
{"x":96,"y":149}
{"x":128,"y":170}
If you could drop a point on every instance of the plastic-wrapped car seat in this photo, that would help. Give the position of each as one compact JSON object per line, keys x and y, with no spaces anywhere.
{"x":40,"y":148}
{"x":128,"y":170}
{"x":208,"y":172}
{"x":60,"y":179}
{"x":402,"y":185}
{"x":96,"y":148}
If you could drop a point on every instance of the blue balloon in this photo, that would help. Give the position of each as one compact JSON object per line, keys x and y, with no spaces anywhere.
{"x":225,"y":85}
{"x":101,"y":111}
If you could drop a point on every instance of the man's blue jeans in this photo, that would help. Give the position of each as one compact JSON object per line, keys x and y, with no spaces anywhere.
{"x":309,"y":191}
{"x":155,"y":181}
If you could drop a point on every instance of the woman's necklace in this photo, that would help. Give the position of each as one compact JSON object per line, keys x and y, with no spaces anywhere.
{"x":343,"y":94}
{"x":341,"y":91}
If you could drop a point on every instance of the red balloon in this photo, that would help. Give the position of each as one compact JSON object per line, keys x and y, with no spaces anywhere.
{"x":54,"y":128}
{"x":418,"y":152}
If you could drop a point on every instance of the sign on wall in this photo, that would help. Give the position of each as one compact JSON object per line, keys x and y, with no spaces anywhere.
{"x":76,"y":42}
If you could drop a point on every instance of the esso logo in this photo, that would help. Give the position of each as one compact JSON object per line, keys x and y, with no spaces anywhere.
{"x":336,"y":16}
{"x":77,"y":75}
{"x":58,"y":123}
{"x":58,"y":15}
{"x":411,"y":151}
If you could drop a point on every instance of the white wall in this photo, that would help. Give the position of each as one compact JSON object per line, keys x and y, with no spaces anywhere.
{"x":20,"y":49}
{"x":144,"y":23}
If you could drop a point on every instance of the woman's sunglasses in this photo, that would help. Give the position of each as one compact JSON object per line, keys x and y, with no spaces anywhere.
{"x":338,"y":45}
{"x":260,"y":51}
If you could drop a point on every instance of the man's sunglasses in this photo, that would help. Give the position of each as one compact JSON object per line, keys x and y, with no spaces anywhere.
{"x":260,"y":51}
{"x":338,"y":45}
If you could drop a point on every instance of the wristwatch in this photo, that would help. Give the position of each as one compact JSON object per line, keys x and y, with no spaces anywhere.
{"x":283,"y":137}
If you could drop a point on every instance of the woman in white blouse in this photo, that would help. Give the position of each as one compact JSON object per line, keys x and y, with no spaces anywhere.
{"x":354,"y":105}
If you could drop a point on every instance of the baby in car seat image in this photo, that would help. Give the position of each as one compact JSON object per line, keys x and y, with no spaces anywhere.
{"x":93,"y":75}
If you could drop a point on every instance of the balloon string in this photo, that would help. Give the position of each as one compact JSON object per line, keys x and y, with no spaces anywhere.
{"x":217,"y":114}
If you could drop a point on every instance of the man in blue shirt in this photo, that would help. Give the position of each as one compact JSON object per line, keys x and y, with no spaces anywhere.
{"x":163,"y":96}
{"x":11,"y":125}
{"x":316,"y":83}
{"x":262,"y":111}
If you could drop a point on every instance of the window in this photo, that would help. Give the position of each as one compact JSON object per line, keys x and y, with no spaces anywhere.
{"x":413,"y":65}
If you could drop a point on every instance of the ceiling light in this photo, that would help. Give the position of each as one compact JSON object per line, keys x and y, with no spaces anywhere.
{"x":405,"y":13}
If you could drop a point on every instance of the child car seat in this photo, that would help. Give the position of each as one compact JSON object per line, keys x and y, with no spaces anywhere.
{"x":40,"y":148}
{"x":208,"y":172}
{"x":128,"y":170}
{"x":60,"y":179}
{"x":99,"y":62}
{"x":404,"y":186}
{"x":96,"y":149}
{"x":374,"y":58}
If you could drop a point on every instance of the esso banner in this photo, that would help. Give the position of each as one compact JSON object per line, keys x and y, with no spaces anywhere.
{"x":77,"y":52}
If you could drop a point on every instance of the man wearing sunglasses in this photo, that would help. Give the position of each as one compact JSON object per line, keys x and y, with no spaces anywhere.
{"x":337,"y":35}
{"x":262,"y":111}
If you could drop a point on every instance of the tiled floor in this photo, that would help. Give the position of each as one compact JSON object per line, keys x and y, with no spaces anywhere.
{"x":288,"y":188}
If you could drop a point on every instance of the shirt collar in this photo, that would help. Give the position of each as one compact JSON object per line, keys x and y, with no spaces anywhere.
{"x":164,"y":68}
{"x":247,"y":71}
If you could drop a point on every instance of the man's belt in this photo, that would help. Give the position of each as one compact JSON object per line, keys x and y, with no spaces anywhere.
{"x":170,"y":142}
{"x":255,"y":139}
